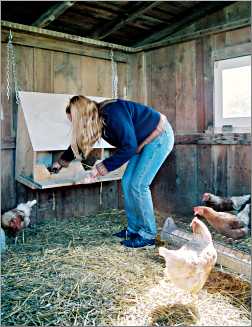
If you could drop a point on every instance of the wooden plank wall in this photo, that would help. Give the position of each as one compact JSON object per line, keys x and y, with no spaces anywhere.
{"x":177,"y":80}
{"x":179,"y":83}
{"x":47,"y":70}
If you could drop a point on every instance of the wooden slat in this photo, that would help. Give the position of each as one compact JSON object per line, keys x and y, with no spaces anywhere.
{"x":239,"y":169}
{"x":108,"y":194}
{"x":164,"y":189}
{"x":135,"y":11}
{"x":7,"y":113}
{"x":122,"y":79}
{"x":8,"y":143}
{"x":43,"y":70}
{"x":219,"y":169}
{"x":239,"y":9}
{"x":24,"y":152}
{"x":24,"y":58}
{"x":50,"y":43}
{"x":67,"y":37}
{"x":186,"y":36}
{"x":28,"y":181}
{"x":190,"y":16}
{"x":200,"y":86}
{"x":8,"y":191}
{"x":94,"y":10}
{"x":214,"y":139}
{"x":150,"y":19}
{"x":244,"y":49}
{"x":204,"y":171}
{"x":67,"y":78}
{"x":24,"y":67}
{"x":97,"y":77}
{"x":208,"y":81}
{"x":147,"y":78}
{"x":135,"y":78}
{"x":204,"y":138}
{"x":219,"y":40}
{"x":186,"y":178}
{"x":186,"y":115}
{"x":53,"y":13}
{"x":163,"y":84}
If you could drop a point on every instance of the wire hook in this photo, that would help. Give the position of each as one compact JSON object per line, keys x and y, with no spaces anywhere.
{"x":10,"y":36}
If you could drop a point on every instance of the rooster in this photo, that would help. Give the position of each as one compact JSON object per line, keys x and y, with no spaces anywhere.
{"x":189,"y":267}
{"x":219,"y":203}
{"x":15,"y":220}
{"x":225,"y":222}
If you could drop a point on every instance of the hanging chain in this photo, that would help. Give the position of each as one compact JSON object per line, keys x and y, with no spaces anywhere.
{"x":11,"y":68}
{"x":114,"y":76}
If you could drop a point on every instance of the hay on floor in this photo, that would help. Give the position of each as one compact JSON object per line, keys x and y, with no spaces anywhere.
{"x":72,"y":272}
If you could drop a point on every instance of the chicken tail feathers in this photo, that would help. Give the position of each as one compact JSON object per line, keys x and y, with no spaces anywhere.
{"x":168,"y":228}
{"x":31,"y":203}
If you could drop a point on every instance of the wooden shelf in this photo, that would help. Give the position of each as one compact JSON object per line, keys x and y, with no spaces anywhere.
{"x":54,"y":184}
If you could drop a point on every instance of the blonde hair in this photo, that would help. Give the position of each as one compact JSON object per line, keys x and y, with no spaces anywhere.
{"x":87,"y":124}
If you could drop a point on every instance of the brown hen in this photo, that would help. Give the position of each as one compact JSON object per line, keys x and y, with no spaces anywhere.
{"x":223,"y":222}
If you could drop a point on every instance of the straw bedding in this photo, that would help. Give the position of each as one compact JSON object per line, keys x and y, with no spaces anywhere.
{"x":72,"y":272}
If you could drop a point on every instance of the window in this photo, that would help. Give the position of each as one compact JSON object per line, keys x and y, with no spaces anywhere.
{"x":232,"y":94}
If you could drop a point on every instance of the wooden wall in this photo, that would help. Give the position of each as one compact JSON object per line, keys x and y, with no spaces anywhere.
{"x":177,"y":80}
{"x":49,"y":66}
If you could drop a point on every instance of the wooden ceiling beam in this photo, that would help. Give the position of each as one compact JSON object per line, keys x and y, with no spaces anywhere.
{"x":190,"y":16}
{"x":138,"y":9}
{"x":52,"y":13}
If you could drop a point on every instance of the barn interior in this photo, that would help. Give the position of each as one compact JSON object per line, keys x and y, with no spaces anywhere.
{"x":165,"y":54}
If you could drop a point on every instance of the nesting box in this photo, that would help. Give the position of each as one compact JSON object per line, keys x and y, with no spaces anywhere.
{"x":43,"y":133}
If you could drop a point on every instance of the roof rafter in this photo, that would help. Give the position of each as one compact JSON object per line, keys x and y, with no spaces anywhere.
{"x":137,"y":10}
{"x":52,"y":13}
{"x":189,"y":17}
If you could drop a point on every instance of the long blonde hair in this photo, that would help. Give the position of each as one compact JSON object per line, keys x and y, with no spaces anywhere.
{"x":87,"y":124}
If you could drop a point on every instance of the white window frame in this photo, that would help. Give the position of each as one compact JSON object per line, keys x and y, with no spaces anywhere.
{"x":239,"y":124}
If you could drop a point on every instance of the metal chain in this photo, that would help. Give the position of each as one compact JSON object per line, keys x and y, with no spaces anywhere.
{"x":114,"y":76}
{"x":8,"y":71}
{"x":11,"y":68}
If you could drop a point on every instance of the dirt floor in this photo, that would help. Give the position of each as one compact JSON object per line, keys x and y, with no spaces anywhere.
{"x":72,"y":272}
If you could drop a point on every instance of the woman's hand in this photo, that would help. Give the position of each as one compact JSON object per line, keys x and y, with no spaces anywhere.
{"x":91,"y":176}
{"x":55,"y":168}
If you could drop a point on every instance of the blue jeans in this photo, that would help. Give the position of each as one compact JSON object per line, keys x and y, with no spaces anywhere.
{"x":139,"y":174}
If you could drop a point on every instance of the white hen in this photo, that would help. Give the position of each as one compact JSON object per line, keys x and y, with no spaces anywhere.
{"x":188,"y":267}
{"x":15,"y":220}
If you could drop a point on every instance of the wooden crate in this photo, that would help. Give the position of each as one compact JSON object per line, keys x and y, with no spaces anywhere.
{"x":43,"y":133}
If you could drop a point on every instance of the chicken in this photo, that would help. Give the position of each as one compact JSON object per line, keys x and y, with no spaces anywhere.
{"x":245,"y":215}
{"x":225,"y":203}
{"x":15,"y":220}
{"x":188,"y":267}
{"x":224,"y":222}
